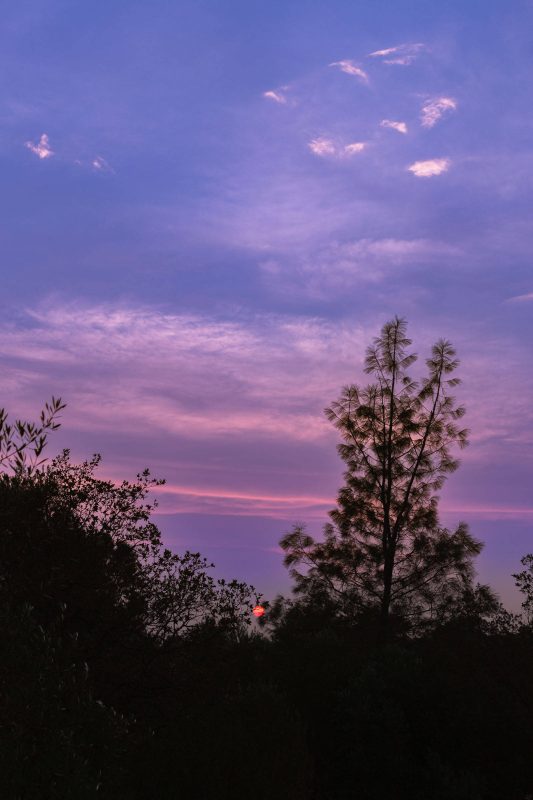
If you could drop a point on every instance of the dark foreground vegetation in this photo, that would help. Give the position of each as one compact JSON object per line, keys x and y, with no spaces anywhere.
{"x":129,"y":672}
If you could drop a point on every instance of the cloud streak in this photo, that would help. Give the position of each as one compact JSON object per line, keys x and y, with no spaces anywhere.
{"x":401,"y":55}
{"x":351,"y":68}
{"x":178,"y":499}
{"x":521,"y":298}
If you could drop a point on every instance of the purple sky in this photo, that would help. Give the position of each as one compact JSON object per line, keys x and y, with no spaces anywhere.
{"x":208,"y":211}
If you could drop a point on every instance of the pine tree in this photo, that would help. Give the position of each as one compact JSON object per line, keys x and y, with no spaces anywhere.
{"x":385,"y":549}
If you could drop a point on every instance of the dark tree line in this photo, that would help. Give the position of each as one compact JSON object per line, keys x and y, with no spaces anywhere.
{"x":128,"y":671}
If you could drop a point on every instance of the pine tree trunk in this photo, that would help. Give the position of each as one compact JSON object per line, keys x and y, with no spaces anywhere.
{"x":386,"y":600}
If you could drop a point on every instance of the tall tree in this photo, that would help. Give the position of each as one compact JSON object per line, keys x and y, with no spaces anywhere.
{"x":385,"y":547}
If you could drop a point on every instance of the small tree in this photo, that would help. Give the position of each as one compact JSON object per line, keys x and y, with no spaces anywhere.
{"x":385,"y":548}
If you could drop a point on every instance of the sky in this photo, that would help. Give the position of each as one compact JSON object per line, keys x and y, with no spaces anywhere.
{"x":208,"y":211}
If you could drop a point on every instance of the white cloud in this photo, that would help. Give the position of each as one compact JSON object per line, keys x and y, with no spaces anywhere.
{"x":351,"y":69}
{"x":382,"y":53}
{"x":434,"y":166}
{"x":402,"y":54}
{"x":354,"y":147}
{"x":434,"y":109}
{"x":42,"y":148}
{"x":401,"y":127}
{"x":101,"y":164}
{"x":327,"y":147}
{"x":322,"y":147}
{"x":275,"y":95}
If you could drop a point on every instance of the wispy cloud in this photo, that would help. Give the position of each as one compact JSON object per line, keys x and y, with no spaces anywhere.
{"x":350,"y":68}
{"x":521,"y":298}
{"x":354,"y":147}
{"x":276,"y":95}
{"x":330,"y":271}
{"x":178,"y":499}
{"x":208,"y":394}
{"x":401,"y":127}
{"x":42,"y":149}
{"x":426,"y":169}
{"x":434,"y":109}
{"x":238,"y":378}
{"x":101,"y":165}
{"x":327,"y":147}
{"x":197,"y":386}
{"x":402,"y":54}
{"x":322,"y":147}
{"x":489,"y":512}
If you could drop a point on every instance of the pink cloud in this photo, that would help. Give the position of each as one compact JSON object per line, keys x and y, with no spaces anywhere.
{"x":225,"y":407}
{"x":174,"y":499}
{"x":101,"y":165}
{"x":521,"y":298}
{"x":42,"y":149}
{"x":322,"y":147}
{"x":400,"y":127}
{"x":189,"y":384}
{"x":354,"y":147}
{"x":276,"y":95}
{"x":433,"y":110}
{"x":402,"y":54}
{"x":427,"y":169}
{"x":257,"y":370}
{"x":489,"y":512}
{"x":351,"y":68}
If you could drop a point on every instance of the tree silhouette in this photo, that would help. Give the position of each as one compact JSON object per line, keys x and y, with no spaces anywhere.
{"x":181,"y":595}
{"x":20,"y":440}
{"x":178,"y":592}
{"x":385,"y":549}
{"x":524,"y":582}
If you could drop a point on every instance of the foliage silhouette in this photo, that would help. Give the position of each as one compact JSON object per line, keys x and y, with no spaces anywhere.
{"x":56,"y":739}
{"x":524,"y":582}
{"x":22,"y":443}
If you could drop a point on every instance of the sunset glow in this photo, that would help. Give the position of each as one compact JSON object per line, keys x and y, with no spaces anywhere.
{"x":209,"y":215}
